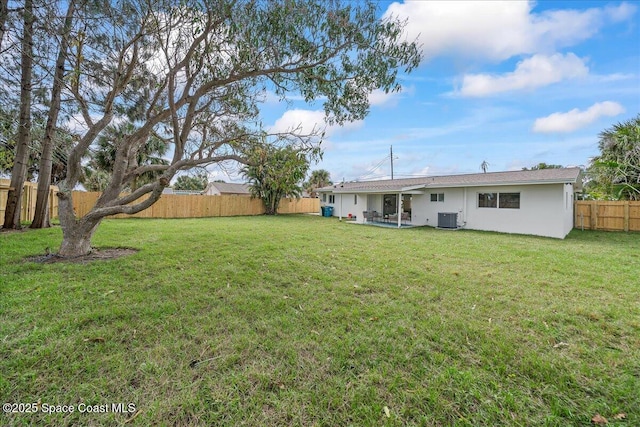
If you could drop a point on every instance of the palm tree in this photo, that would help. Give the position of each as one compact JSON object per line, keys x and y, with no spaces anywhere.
{"x":616,"y":171}
{"x":94,"y":178}
{"x":104,"y":156}
{"x":484,"y":166}
{"x":318,"y":179}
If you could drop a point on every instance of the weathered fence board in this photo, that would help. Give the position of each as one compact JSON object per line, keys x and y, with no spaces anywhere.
{"x":197,"y":206}
{"x":29,"y":195}
{"x":622,"y":215}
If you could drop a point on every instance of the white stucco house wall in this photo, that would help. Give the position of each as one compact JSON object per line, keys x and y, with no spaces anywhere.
{"x":536,"y":202}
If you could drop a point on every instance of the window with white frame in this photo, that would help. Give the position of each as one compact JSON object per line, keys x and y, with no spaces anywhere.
{"x":499,"y":200}
{"x":437,"y":197}
{"x":487,"y":200}
{"x":332,"y":198}
{"x":509,"y":201}
{"x":355,"y":199}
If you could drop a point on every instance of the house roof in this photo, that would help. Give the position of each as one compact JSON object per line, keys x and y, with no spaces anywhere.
{"x":524,"y":177}
{"x":229,"y":188}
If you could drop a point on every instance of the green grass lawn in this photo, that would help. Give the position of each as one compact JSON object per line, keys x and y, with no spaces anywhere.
{"x":302,"y":320}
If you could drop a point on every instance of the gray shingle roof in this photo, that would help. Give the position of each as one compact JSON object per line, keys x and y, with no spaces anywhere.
{"x":230,"y":188}
{"x":542,"y":176}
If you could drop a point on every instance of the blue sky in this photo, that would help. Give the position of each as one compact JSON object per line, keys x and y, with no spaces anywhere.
{"x":512,"y":83}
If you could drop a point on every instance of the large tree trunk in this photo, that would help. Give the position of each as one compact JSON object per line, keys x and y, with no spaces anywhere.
{"x":19,"y":171}
{"x":76,"y":233}
{"x":76,"y":241}
{"x":41,"y":217}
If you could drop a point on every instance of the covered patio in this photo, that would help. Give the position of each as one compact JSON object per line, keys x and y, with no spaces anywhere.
{"x":375,"y":217}
{"x":370,"y":203}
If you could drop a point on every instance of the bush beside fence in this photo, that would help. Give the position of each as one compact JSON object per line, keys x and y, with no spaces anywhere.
{"x":620,"y":215}
{"x":29,"y":195}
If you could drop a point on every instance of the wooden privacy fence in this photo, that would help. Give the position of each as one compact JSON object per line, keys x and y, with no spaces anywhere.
{"x":197,"y":206}
{"x":28,"y":208}
{"x":620,"y":215}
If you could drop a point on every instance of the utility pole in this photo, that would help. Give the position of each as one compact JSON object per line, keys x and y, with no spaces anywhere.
{"x":392,"y":162}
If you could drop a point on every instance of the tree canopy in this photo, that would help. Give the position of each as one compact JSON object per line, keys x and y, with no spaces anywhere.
{"x":195,"y":74}
{"x":197,"y":182}
{"x":8,"y":132}
{"x":615,"y":172}
{"x":543,"y":165}
{"x":103,"y":154}
{"x":319,"y":178}
{"x":275,"y":173}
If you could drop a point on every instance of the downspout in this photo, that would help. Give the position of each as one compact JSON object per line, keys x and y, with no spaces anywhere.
{"x":464,"y":207}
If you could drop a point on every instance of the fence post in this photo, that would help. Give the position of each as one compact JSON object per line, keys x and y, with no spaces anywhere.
{"x":626,"y":215}
{"x":593,"y":215}
{"x":50,"y":211}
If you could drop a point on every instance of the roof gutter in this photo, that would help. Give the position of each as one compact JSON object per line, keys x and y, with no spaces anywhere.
{"x":373,"y":191}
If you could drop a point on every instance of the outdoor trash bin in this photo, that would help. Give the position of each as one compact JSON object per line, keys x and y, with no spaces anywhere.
{"x":323,"y":210}
{"x":328,"y":211}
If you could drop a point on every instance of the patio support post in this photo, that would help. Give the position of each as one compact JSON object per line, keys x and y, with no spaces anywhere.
{"x":341,"y":187}
{"x":399,"y":210}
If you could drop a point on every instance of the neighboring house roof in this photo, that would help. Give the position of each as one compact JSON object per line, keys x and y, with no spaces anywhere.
{"x":228,"y":188}
{"x":525,"y":177}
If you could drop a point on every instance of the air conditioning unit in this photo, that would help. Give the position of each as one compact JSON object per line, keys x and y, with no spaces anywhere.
{"x":447,"y":220}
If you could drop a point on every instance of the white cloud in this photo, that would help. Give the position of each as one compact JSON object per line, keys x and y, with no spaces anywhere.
{"x":620,"y":13}
{"x":539,"y":70}
{"x":378,"y":98}
{"x":615,"y":77}
{"x":271,"y":98}
{"x":576,"y":119}
{"x":497,"y":30}
{"x":303,"y":122}
{"x":306,"y":122}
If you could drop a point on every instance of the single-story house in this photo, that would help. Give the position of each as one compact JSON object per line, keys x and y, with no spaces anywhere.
{"x":226,"y":189}
{"x":537,"y":202}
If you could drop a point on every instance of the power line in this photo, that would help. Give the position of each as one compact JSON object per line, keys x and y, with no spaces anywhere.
{"x":391,"y":156}
{"x":372,"y":170}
